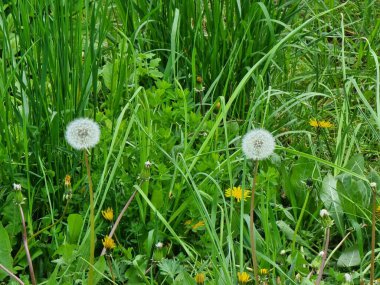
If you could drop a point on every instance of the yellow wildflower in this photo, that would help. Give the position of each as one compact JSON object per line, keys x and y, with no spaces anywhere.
{"x":198,"y":225}
{"x":263,"y":271}
{"x":377,"y":211}
{"x":243,"y":277}
{"x":188,"y":222}
{"x":108,"y":214}
{"x":325,"y":124}
{"x":320,"y":124}
{"x":68,"y":180}
{"x":200,"y":278}
{"x":237,"y":193}
{"x":108,"y":243}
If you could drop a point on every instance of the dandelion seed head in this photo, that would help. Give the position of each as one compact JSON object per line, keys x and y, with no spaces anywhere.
{"x":258,"y":144}
{"x":82,"y":133}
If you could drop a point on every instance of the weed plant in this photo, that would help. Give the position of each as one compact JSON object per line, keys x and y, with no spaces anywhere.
{"x":174,"y":86}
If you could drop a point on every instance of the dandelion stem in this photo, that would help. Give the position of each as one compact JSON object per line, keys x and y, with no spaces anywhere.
{"x":11,"y":274}
{"x":92,"y":222}
{"x":320,"y":273}
{"x":119,"y":218}
{"x":373,"y":236}
{"x":110,"y":266}
{"x":251,"y":224}
{"x":299,"y":220}
{"x":25,"y":241}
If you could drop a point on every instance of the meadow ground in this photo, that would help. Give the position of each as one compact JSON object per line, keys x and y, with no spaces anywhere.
{"x":189,"y":142}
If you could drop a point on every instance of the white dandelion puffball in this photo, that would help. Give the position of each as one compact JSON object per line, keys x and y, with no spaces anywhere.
{"x":258,"y":144}
{"x":82,"y":133}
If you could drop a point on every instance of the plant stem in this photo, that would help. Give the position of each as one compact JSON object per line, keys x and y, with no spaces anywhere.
{"x":320,"y":273}
{"x":51,"y":225}
{"x":373,"y":236}
{"x":25,"y":241}
{"x":251,"y":224}
{"x":11,"y":274}
{"x":299,"y":220}
{"x":110,"y":266}
{"x":92,"y":222}
{"x":119,"y":218}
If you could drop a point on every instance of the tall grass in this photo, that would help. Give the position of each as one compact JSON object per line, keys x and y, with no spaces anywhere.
{"x":178,"y":84}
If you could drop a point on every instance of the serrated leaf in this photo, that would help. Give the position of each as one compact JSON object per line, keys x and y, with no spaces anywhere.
{"x":349,"y":257}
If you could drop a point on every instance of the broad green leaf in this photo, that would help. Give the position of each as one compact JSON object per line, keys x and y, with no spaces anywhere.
{"x":289,"y":232}
{"x":356,"y":164}
{"x":349,"y":257}
{"x":330,"y":198}
{"x":5,"y":252}
{"x":74,"y":227}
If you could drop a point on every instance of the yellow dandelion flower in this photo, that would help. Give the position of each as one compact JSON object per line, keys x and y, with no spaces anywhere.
{"x":108,"y":214}
{"x":68,"y":180}
{"x":198,"y":225}
{"x":237,"y":193}
{"x":200,"y":278}
{"x":320,"y":124}
{"x":314,"y":123}
{"x":243,"y":277}
{"x":325,"y":124}
{"x":108,"y":243}
{"x":263,"y":271}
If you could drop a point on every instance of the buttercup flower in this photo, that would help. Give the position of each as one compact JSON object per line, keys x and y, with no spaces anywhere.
{"x":237,"y":193}
{"x":108,"y":214}
{"x":108,"y":243}
{"x":200,"y":278}
{"x":82,"y":133}
{"x":243,"y":277}
{"x":258,"y":144}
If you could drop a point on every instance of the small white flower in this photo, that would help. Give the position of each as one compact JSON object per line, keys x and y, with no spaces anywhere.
{"x":321,"y":254}
{"x":159,"y":245}
{"x":283,"y":252}
{"x":348,"y":277}
{"x":16,"y":187}
{"x":147,"y":164}
{"x":82,"y":133}
{"x":373,"y":184}
{"x":324,"y":213}
{"x":258,"y":144}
